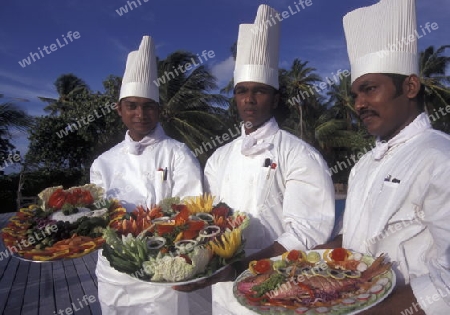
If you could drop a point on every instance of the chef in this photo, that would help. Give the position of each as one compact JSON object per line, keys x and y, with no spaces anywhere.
{"x":398,"y":201}
{"x":275,"y":177}
{"x":145,"y":168}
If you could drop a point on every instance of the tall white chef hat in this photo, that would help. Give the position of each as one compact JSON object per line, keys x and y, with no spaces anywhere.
{"x":381,"y":38}
{"x":140,"y":72}
{"x":258,"y":49}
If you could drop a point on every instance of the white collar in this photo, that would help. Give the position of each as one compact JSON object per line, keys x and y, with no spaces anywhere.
{"x":419,"y":124}
{"x":137,"y":147}
{"x":253,"y":143}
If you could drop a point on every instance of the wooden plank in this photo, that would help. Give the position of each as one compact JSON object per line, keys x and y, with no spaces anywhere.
{"x":88,"y":285}
{"x":60,"y":286}
{"x":31,"y":298}
{"x":91,"y":263}
{"x":78,"y":305}
{"x":47,"y":304}
{"x":16,"y":297}
{"x":6,"y":282}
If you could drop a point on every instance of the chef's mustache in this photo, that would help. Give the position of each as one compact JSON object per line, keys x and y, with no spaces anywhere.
{"x":364,"y":112}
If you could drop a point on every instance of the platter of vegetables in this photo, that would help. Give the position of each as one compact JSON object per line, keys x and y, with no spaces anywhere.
{"x":332,"y":281}
{"x":177,"y":241}
{"x":64,"y":224}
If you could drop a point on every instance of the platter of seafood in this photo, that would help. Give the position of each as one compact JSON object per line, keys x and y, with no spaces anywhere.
{"x":329,"y":281}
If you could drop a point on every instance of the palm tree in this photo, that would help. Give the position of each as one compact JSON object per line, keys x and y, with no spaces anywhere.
{"x":339,"y":132}
{"x":11,"y":117}
{"x":433,"y":65}
{"x":299,"y":81}
{"x":68,"y":86}
{"x":190,"y":113}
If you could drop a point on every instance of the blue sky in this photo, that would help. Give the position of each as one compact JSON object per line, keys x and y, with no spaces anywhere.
{"x":314,"y":34}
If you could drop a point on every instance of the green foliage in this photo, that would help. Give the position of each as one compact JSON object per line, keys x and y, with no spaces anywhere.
{"x":190,"y":112}
{"x":11,"y":118}
{"x":87,"y":126}
{"x":433,"y":65}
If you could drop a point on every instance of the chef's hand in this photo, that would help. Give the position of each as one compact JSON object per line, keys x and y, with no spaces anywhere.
{"x":337,"y":242}
{"x":227,"y":274}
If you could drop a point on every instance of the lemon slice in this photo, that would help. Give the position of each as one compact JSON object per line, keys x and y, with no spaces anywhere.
{"x":313,"y":257}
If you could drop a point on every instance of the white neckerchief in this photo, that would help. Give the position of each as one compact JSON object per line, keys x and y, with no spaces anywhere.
{"x":250,"y":145}
{"x":137,"y":147}
{"x":419,"y":124}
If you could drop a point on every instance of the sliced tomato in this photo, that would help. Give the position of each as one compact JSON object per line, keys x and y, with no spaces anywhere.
{"x":71,"y":198}
{"x":293,"y":255}
{"x":262,"y":266}
{"x":338,"y":254}
{"x":57,"y":199}
{"x":87,"y":198}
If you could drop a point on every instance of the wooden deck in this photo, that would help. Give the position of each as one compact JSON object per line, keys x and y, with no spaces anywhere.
{"x":63,"y":287}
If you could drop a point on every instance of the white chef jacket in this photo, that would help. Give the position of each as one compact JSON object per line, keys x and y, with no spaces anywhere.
{"x":291,"y":203}
{"x":400,"y":205}
{"x":137,"y":179}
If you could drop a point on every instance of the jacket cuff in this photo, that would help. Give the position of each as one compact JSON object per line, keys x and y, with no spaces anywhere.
{"x":430,"y":299}
{"x":290,"y":242}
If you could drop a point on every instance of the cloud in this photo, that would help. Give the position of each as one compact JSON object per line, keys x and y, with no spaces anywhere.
{"x":284,"y":65}
{"x":223,"y":71}
{"x":30,"y":93}
{"x":119,"y":46}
